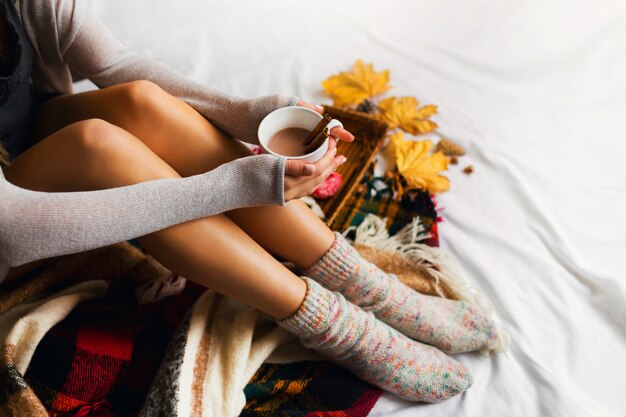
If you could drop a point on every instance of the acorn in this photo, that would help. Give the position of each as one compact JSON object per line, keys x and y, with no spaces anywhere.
{"x":449,"y":148}
{"x":468,"y":169}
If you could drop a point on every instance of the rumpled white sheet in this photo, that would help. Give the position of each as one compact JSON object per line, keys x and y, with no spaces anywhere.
{"x":535,"y":91}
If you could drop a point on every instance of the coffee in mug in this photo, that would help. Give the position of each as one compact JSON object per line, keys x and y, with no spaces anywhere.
{"x":289,"y":141}
{"x":282,"y":133}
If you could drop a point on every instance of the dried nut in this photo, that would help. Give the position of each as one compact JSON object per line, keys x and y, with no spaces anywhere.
{"x":367,"y":106}
{"x":449,"y":148}
{"x":454,"y":160}
{"x":468,"y":169}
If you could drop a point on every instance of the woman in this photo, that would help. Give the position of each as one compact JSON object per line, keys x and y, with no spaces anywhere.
{"x":162,"y":155}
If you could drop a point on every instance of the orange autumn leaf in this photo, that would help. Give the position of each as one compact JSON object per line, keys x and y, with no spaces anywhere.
{"x":354,"y":86}
{"x":406,"y":114}
{"x":419,"y":168}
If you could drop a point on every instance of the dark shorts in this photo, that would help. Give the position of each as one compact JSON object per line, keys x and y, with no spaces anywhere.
{"x":26,"y":137}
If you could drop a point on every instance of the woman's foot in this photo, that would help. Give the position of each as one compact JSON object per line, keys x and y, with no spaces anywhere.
{"x":345,"y":334}
{"x":452,"y":326}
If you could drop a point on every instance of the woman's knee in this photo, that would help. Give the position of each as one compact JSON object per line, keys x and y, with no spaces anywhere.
{"x":85,"y":155}
{"x":157,"y":117}
{"x":107,"y":150}
{"x":141,"y":97}
{"x":97,"y":137}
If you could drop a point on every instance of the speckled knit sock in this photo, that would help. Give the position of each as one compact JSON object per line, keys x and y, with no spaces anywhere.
{"x":353,"y":338}
{"x":452,"y":326}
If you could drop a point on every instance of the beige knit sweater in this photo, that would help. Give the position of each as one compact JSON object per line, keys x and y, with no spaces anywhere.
{"x":70,"y":44}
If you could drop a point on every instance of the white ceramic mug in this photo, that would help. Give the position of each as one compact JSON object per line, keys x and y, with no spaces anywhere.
{"x":291,"y":116}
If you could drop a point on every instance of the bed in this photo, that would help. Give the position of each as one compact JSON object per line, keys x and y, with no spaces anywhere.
{"x":535,"y":92}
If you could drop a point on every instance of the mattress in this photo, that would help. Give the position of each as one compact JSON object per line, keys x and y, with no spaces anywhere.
{"x":535,"y":91}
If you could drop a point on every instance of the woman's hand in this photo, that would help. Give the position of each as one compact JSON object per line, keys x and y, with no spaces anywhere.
{"x":303,"y":177}
{"x":309,"y":176}
{"x":337,"y":132}
{"x":301,"y":168}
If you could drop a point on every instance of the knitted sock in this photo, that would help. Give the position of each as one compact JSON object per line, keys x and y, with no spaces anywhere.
{"x":345,"y":334}
{"x":452,"y":326}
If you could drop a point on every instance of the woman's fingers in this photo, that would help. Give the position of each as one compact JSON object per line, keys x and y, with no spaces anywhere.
{"x":299,"y":183}
{"x":333,"y":166}
{"x":299,"y":168}
{"x":337,"y":132}
{"x":329,"y":163}
{"x":341,"y":133}
{"x":303,"y":103}
{"x":327,"y":159}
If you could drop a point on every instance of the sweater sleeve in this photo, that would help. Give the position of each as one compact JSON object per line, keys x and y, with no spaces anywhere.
{"x":37,"y":225}
{"x":96,"y":54}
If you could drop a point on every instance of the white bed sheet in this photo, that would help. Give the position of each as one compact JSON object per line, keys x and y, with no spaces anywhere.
{"x":535,"y":91}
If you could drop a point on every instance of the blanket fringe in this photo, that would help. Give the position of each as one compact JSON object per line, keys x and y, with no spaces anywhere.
{"x":167,"y":284}
{"x":440,"y":265}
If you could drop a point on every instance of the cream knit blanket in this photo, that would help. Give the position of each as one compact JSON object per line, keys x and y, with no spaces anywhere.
{"x":216,"y":351}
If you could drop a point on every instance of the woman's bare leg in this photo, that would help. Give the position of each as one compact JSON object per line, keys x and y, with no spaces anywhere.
{"x":212,"y":251}
{"x":188,"y":143}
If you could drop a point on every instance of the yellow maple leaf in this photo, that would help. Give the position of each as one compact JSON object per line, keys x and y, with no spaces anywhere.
{"x":354,"y":86}
{"x":406,"y":114}
{"x":419,"y":168}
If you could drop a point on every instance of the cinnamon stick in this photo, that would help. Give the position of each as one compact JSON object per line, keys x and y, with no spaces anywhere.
{"x":317,"y":129}
{"x":317,"y":136}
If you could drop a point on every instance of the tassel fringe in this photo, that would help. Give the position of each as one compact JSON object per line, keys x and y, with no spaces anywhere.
{"x":160,"y":288}
{"x":441,"y":266}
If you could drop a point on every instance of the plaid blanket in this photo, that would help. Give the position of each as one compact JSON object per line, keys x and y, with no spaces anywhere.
{"x":102,"y":358}
{"x":308,"y":389}
{"x":106,"y":354}
{"x":376,"y":196}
